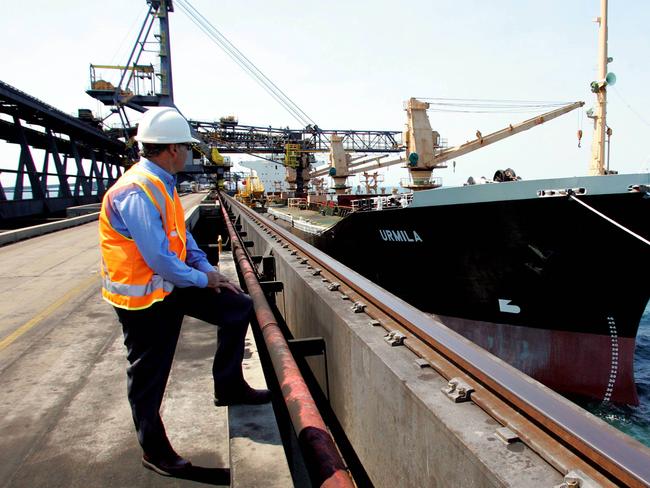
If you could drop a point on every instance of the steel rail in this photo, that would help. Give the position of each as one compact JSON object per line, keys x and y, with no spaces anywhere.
{"x":615,"y":454}
{"x":324,"y":463}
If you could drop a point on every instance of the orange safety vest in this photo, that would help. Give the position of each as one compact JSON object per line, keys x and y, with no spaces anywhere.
{"x":127,"y":281}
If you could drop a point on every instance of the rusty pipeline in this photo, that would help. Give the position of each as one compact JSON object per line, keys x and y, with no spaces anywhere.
{"x":324,"y":463}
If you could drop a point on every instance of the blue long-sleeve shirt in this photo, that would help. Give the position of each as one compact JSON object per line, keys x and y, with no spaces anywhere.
{"x":133,"y":214}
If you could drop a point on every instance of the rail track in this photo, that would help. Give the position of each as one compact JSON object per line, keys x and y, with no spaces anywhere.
{"x":586,"y":450}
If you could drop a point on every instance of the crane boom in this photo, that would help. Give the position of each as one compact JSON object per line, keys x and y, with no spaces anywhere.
{"x":482,"y":141}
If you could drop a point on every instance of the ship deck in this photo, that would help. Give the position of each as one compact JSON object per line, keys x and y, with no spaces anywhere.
{"x":310,"y":216}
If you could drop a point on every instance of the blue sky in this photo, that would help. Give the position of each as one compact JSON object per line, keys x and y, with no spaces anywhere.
{"x":351,"y":65}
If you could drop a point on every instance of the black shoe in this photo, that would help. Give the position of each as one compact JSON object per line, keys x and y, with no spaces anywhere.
{"x":243,"y":396}
{"x":171,"y":465}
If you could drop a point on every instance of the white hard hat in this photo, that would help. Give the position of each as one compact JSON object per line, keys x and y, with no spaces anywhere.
{"x":163,"y":125}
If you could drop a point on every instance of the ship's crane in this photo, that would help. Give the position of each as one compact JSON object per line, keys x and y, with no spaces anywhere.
{"x":482,"y":141}
{"x":423,"y":149}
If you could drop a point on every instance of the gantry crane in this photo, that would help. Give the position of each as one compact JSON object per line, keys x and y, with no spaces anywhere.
{"x":141,"y":86}
{"x":296,"y":146}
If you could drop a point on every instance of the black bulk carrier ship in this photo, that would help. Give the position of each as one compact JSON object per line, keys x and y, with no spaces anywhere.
{"x":513,"y":267}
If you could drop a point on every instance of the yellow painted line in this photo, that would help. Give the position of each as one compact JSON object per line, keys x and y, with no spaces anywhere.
{"x":4,"y":343}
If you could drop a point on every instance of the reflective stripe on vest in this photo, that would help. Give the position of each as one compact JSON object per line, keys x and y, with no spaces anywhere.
{"x":156,"y":282}
{"x":127,"y":280}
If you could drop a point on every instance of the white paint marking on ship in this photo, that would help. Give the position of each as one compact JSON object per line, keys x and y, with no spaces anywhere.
{"x":504,"y":306}
{"x":399,"y":235}
{"x":613,"y":368}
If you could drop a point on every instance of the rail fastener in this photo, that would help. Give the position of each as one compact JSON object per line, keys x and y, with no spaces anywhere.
{"x":458,"y":390}
{"x":395,"y":338}
{"x":577,"y":479}
{"x":507,"y":435}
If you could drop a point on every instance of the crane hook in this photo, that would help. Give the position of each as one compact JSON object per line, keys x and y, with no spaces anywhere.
{"x":579,"y":137}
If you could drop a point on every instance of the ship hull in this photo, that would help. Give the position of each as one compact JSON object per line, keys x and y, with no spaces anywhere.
{"x":545,"y":284}
{"x":562,"y":360}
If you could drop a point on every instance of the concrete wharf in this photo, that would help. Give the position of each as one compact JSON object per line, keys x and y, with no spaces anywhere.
{"x":66,"y":422}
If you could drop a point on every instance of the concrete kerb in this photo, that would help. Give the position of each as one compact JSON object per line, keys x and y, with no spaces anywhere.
{"x":12,"y":236}
{"x":402,"y":427}
{"x":83,"y":209}
{"x":9,"y":237}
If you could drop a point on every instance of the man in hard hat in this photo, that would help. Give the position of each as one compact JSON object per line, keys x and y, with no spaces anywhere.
{"x":154,"y":274}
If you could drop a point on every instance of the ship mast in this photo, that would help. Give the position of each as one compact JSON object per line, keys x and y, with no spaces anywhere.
{"x":597,"y":165}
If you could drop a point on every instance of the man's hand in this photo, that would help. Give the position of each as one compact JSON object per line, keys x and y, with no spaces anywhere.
{"x":217,"y":281}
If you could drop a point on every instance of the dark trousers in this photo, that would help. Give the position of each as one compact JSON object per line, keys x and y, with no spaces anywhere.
{"x":150,"y":337}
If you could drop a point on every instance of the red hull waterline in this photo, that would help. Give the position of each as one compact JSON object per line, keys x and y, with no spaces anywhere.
{"x":574,"y":363}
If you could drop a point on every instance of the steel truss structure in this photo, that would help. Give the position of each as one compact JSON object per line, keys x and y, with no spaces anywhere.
{"x":230,"y":137}
{"x":97,"y":160}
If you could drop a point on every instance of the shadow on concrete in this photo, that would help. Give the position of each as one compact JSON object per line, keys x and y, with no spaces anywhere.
{"x":210,"y":476}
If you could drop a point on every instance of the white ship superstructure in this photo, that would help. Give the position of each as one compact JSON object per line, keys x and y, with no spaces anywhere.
{"x":272,"y":175}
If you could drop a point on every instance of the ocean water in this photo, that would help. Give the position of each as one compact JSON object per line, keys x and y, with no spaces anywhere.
{"x":634,"y":421}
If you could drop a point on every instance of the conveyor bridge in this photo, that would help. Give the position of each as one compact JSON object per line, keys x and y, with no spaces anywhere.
{"x":80,"y":161}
